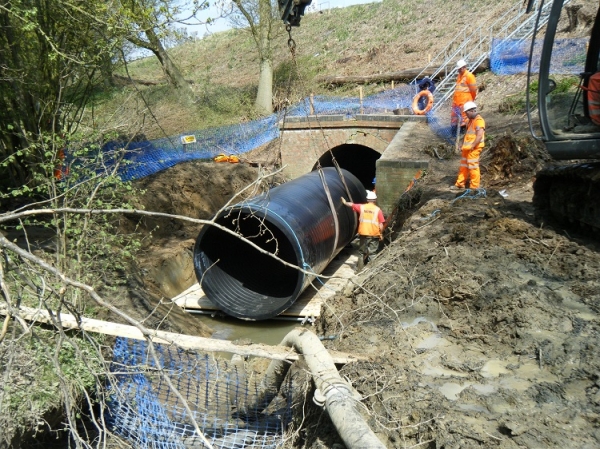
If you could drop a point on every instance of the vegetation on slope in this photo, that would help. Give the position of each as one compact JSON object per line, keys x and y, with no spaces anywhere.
{"x":223,"y":68}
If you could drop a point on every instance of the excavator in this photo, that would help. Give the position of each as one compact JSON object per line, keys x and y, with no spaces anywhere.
{"x":569,"y":119}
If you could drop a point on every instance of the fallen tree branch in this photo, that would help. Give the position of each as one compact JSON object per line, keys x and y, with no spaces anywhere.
{"x":122,"y":80}
{"x":51,"y":211}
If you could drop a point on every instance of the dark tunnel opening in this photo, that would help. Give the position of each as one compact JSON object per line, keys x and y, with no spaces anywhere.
{"x":357,"y":159}
{"x":244,"y":265}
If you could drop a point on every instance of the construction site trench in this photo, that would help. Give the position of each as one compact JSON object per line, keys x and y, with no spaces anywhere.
{"x":480,"y":324}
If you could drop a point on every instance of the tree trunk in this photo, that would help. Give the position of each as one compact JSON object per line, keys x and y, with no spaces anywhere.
{"x":403,"y":75}
{"x":264,"y":96}
{"x":170,"y":70}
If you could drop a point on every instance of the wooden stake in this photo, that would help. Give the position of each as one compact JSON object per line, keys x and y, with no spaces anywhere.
{"x":360,"y":94}
{"x":456,"y":150}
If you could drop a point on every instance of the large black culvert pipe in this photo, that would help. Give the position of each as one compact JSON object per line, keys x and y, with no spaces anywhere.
{"x":294,"y":221}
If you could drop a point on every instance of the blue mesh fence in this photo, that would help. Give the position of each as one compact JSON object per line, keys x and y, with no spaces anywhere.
{"x":149,"y":157}
{"x":223,"y":402}
{"x":507,"y":57}
{"x":510,"y":56}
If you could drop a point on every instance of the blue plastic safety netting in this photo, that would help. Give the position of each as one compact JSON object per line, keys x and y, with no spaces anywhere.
{"x":221,"y":401}
{"x":511,"y":56}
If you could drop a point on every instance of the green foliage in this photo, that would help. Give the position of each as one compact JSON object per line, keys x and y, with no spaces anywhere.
{"x":86,"y":246}
{"x":93,"y":249}
{"x":514,"y":104}
{"x":44,"y":366}
{"x":566,"y":84}
{"x":52,"y":53}
{"x":517,"y":103}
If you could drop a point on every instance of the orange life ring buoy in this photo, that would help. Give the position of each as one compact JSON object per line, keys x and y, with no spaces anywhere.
{"x":428,"y":106}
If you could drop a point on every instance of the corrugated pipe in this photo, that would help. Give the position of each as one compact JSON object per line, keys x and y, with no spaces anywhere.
{"x":332,"y":392}
{"x":302,"y":221}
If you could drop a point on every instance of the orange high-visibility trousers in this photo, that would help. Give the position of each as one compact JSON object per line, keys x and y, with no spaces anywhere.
{"x":469,"y":168}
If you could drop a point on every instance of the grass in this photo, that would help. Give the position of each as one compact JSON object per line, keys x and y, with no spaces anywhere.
{"x":223,"y":68}
{"x":565,"y":88}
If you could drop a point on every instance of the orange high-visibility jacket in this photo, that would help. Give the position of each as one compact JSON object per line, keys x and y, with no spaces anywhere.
{"x":465,"y":90}
{"x":368,"y":222}
{"x":593,"y":95}
{"x":471,"y":133}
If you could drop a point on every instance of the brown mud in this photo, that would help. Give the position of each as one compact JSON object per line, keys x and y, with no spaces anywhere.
{"x":482,"y":325}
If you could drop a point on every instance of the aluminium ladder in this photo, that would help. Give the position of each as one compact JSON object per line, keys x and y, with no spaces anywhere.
{"x":475,"y":46}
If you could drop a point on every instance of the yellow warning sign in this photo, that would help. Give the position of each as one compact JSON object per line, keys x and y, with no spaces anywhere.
{"x":188,"y":139}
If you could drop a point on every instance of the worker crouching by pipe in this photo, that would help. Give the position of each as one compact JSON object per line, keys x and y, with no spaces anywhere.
{"x":370,"y":228}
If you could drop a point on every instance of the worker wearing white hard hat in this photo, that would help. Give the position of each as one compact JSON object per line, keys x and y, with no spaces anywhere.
{"x":474,"y":141}
{"x":465,"y":90}
{"x":370,"y":227}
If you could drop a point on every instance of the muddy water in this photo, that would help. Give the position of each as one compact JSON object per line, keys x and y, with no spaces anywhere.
{"x":269,"y":332}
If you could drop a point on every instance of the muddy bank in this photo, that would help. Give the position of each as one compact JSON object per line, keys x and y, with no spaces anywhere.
{"x":484,"y":326}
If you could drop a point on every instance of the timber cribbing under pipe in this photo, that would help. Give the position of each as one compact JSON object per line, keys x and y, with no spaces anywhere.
{"x":302,"y":221}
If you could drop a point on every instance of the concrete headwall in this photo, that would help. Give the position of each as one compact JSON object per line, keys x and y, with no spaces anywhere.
{"x":395,"y":169}
{"x":304,"y":140}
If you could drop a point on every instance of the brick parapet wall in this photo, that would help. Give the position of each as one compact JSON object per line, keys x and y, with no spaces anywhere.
{"x":306,"y":139}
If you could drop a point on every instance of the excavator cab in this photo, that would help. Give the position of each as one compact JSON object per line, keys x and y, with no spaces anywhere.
{"x":569,"y":98}
{"x":568,"y":105}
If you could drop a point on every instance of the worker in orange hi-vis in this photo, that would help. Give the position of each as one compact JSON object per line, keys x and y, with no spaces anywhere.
{"x":465,"y":90}
{"x":370,"y":228}
{"x":472,"y":145}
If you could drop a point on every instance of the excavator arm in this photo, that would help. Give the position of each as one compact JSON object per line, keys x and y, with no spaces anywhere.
{"x":292,"y":10}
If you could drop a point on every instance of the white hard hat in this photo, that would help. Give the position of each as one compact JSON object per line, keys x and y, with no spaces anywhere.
{"x":371,"y":195}
{"x":461,"y":63}
{"x":469,"y":105}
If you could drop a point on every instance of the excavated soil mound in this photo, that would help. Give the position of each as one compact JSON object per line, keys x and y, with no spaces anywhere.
{"x":193,"y":189}
{"x":482,"y":328}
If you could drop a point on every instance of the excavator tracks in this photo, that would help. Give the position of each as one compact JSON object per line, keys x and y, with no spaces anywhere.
{"x":569,"y":196}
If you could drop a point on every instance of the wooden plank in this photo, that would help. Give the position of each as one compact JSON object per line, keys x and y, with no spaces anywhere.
{"x":308,"y":305}
{"x":68,"y":321}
